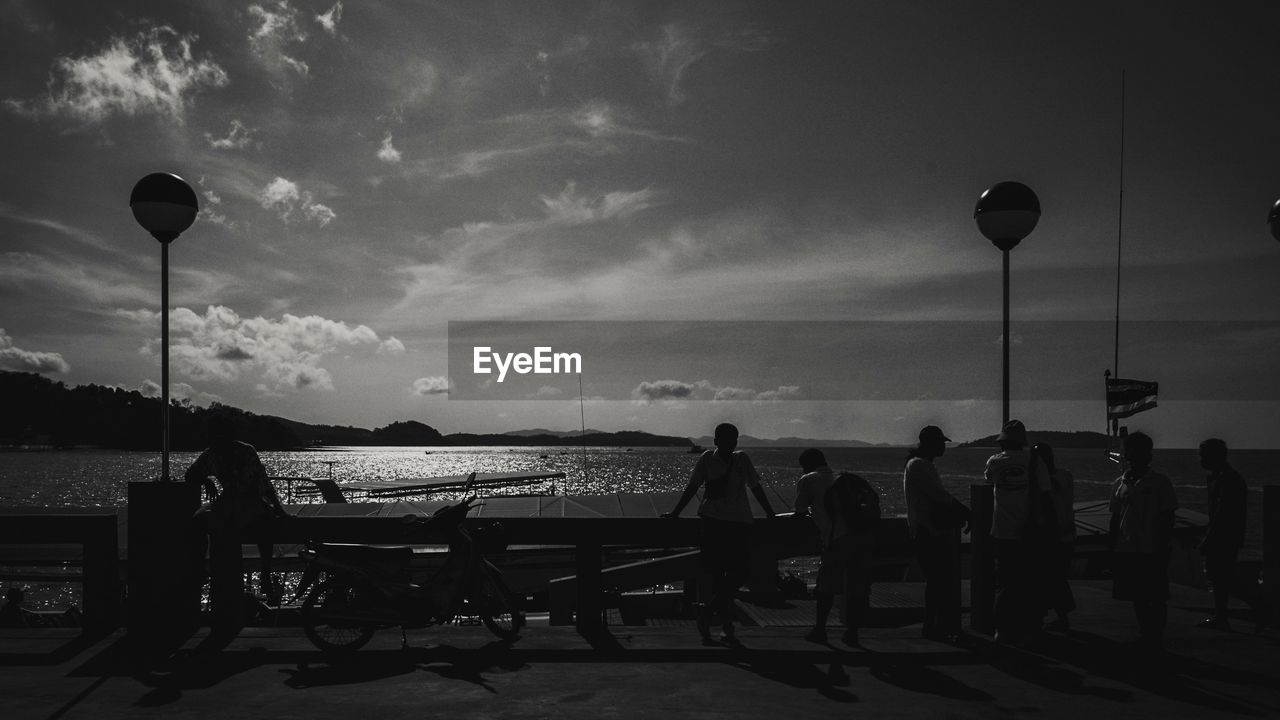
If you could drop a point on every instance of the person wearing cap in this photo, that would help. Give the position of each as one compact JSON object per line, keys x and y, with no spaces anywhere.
{"x":934,"y":520}
{"x":1016,"y":611}
{"x":1142,"y":508}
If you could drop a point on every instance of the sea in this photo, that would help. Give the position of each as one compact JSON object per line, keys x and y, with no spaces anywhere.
{"x":101,"y":477}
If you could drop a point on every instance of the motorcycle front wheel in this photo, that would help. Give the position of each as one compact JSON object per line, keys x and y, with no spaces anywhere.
{"x":498,"y":609}
{"x":327,"y":618}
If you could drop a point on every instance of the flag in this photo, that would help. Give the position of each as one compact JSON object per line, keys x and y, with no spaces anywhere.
{"x":1129,"y":397}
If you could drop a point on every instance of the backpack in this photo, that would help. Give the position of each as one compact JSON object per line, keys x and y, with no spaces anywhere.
{"x":852,"y":499}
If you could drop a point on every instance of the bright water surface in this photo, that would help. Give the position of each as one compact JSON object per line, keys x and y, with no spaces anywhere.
{"x":101,"y":477}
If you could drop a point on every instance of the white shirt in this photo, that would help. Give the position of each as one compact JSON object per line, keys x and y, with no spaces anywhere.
{"x":922,"y":488}
{"x":733,"y":505}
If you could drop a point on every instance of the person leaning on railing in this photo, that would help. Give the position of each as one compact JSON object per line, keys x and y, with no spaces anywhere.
{"x":242,"y":501}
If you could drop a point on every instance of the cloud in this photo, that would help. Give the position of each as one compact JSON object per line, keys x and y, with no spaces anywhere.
{"x":677,"y":390}
{"x":603,"y":121}
{"x":433,"y":385}
{"x":238,"y":137}
{"x":730,"y":394}
{"x":388,"y":153}
{"x":98,"y":283}
{"x":545,"y":392}
{"x":75,"y":233}
{"x":573,"y":208}
{"x":391,"y":346}
{"x":669,"y":56}
{"x":222,"y":346}
{"x":17,"y":359}
{"x":293,"y":204}
{"x":149,"y":388}
{"x":653,"y":391}
{"x":209,"y":212}
{"x":782,"y":393}
{"x":329,"y":20}
{"x":154,"y":72}
{"x":1017,"y":339}
{"x":276,"y":28}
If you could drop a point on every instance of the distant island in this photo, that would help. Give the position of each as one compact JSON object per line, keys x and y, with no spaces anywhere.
{"x":1056,"y":438}
{"x":747,"y":441}
{"x":42,"y":413}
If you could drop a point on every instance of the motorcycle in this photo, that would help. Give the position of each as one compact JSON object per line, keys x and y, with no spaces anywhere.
{"x":366,"y":588}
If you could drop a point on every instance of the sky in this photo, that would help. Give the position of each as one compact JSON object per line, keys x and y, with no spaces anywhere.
{"x":372,"y":174}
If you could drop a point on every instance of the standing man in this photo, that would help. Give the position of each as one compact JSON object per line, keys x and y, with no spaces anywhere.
{"x":1228,"y":502}
{"x":1142,"y":506}
{"x":725,"y":530}
{"x":934,"y":521}
{"x":845,"y":567}
{"x":1015,"y":610}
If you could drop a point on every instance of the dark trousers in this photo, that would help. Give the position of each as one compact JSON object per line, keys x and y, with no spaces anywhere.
{"x":1143,"y":579}
{"x":1057,"y":595}
{"x":1019,"y":588}
{"x":725,"y":560}
{"x":1220,"y":568}
{"x":939,"y":558}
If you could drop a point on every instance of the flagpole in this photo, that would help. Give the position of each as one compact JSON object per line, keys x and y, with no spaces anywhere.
{"x":1115,"y":362}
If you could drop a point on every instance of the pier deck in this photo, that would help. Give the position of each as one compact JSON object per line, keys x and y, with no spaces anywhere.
{"x":661,"y":671}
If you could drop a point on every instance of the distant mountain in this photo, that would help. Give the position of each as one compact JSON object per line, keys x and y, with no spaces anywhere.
{"x":554,"y":433}
{"x":1056,"y":438}
{"x":625,"y":438}
{"x":746,"y":441}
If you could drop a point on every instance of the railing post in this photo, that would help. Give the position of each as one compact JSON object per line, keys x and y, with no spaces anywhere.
{"x":589,"y":561}
{"x":1271,"y":547}
{"x":981,"y":560}
{"x":101,"y":558}
{"x":163,"y":590}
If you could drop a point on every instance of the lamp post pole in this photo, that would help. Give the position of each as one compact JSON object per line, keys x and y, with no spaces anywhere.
{"x":164,"y":360}
{"x":1004,"y":344}
{"x":1006,"y":213}
{"x":164,"y":205}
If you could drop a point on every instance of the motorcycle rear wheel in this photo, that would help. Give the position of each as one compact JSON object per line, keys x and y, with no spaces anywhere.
{"x":498,"y":609}
{"x":333,"y":596}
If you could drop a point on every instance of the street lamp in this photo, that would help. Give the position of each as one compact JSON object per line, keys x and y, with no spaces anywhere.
{"x":164,"y":205}
{"x":1273,"y":219}
{"x":1006,"y":213}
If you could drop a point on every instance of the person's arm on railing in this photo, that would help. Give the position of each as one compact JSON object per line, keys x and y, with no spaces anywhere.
{"x":696,"y":478}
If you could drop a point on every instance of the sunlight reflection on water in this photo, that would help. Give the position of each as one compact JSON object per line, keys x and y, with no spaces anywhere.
{"x":101,"y":477}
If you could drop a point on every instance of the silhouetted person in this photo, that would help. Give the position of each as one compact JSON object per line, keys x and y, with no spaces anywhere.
{"x":1228,"y":504}
{"x":1017,"y":583}
{"x":845,"y":567}
{"x":934,"y":521}
{"x":13,"y":615}
{"x":243,"y":501}
{"x":1057,"y":536}
{"x":1142,"y":510}
{"x":726,"y":524}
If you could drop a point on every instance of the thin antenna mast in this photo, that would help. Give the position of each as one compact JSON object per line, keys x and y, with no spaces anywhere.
{"x":1115,"y":361}
{"x":1115,"y":364}
{"x":582,"y":411}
